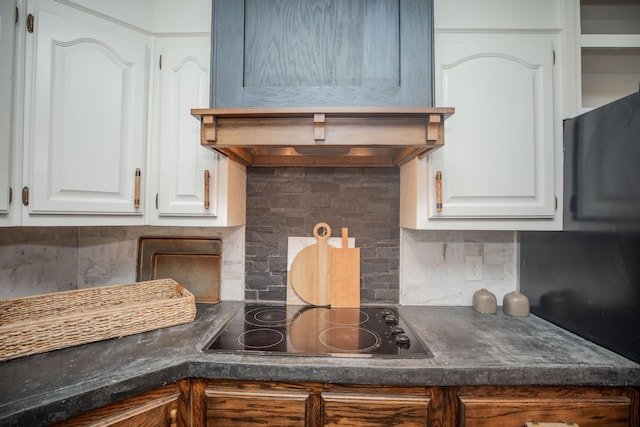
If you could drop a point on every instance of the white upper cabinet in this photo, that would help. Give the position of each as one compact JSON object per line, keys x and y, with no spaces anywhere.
{"x":85,"y":114}
{"x":193,"y":185}
{"x":498,"y":157}
{"x":101,"y":136}
{"x":186,"y":174}
{"x":501,"y":165}
{"x":7,"y":33}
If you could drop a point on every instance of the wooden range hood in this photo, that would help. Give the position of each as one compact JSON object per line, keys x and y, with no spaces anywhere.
{"x":323,"y":136}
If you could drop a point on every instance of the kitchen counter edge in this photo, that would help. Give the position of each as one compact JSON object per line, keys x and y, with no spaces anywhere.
{"x":469,"y":349}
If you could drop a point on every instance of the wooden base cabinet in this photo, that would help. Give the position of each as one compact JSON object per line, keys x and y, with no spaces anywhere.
{"x":167,"y":406}
{"x":256,"y":404}
{"x":236,"y":403}
{"x":353,"y":408}
{"x":514,"y":406}
{"x":201,"y":402}
{"x":308,"y":404}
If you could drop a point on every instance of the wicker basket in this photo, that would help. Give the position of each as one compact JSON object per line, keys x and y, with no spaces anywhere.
{"x":41,"y":323}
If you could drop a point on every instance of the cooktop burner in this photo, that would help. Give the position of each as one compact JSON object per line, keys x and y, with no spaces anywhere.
{"x":306,"y":330}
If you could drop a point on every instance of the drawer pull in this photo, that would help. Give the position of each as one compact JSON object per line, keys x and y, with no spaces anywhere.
{"x":560,"y":424}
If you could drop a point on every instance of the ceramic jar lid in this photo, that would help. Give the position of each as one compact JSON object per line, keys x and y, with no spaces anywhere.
{"x":484,"y":302}
{"x":515,"y":304}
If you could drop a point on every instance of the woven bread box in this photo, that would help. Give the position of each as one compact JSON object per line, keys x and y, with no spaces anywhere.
{"x":41,"y":323}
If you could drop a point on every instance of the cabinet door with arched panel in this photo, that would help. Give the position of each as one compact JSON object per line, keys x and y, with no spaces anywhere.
{"x":85,"y":113}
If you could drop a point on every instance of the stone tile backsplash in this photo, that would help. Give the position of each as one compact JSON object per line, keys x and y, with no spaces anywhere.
{"x":289,"y":202}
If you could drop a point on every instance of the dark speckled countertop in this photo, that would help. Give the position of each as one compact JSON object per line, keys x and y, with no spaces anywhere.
{"x":469,"y":349}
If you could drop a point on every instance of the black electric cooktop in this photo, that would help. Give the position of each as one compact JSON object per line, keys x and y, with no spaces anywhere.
{"x":319,"y":331}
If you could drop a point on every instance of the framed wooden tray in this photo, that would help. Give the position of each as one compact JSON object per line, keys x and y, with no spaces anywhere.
{"x":196,"y":263}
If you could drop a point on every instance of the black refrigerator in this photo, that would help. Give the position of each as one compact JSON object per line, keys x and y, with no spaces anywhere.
{"x":586,"y":278}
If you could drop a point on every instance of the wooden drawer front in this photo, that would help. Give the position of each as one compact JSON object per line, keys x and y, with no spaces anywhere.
{"x":248,"y":407}
{"x":156,"y":413}
{"x":379,"y":409}
{"x":166,"y":406}
{"x":592,"y":412}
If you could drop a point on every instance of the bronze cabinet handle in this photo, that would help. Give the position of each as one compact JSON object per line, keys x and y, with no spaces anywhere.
{"x":439,"y":191}
{"x":207,"y":177}
{"x":136,"y":197}
{"x":558,"y":424}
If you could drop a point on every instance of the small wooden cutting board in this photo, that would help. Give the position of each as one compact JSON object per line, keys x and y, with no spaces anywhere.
{"x":311,"y":269}
{"x":345,"y":274}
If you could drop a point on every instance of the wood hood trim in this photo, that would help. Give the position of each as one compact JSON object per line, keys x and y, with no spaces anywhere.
{"x":323,"y":136}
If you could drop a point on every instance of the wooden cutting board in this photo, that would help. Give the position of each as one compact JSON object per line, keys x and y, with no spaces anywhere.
{"x":311,"y":268}
{"x":345,"y":274}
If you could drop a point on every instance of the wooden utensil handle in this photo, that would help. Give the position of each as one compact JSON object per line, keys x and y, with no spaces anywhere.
{"x":327,"y":231}
{"x":345,"y":237}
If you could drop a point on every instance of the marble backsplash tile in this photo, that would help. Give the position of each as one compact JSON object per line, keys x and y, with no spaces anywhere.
{"x":49,"y":259}
{"x":433,"y":265}
{"x":108,"y":255}
{"x":37,"y":260}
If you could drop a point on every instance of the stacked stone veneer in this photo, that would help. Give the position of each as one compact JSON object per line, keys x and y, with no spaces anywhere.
{"x":284,"y":202}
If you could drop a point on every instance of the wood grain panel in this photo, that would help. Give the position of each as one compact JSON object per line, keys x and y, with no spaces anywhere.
{"x":249,"y":407}
{"x":375,"y":409}
{"x":239,"y":403}
{"x":321,"y":43}
{"x":322,"y":52}
{"x":586,"y":413}
{"x":156,"y":408}
{"x":590,"y":407}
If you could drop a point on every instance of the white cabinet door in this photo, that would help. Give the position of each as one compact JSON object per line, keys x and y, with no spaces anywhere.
{"x":498,"y":160}
{"x":7,"y":34}
{"x":85,"y":113}
{"x":183,"y":84}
